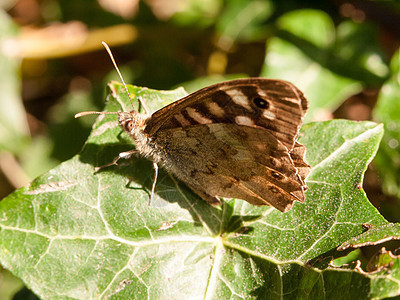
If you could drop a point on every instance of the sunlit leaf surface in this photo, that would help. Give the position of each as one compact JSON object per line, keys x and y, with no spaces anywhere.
{"x":74,"y":233}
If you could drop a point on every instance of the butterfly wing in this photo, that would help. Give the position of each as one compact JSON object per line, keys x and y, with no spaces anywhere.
{"x":236,"y":139}
{"x":275,"y":105}
{"x":232,"y":161}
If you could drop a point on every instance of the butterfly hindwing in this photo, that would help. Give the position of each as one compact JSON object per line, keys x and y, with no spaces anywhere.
{"x":233,"y":161}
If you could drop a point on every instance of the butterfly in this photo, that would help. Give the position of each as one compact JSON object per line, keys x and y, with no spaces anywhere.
{"x":235,"y":139}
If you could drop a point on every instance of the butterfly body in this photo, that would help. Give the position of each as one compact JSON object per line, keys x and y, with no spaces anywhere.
{"x":235,"y":139}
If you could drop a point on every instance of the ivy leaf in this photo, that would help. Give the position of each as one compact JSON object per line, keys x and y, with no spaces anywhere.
{"x":74,"y":233}
{"x":375,"y":235}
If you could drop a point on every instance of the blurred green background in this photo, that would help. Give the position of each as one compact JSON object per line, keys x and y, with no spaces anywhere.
{"x":342,"y":54}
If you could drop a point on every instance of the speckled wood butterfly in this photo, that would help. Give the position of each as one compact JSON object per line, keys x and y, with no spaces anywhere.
{"x":235,"y":139}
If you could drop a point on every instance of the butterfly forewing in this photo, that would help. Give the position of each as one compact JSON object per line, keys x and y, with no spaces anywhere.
{"x":275,"y":105}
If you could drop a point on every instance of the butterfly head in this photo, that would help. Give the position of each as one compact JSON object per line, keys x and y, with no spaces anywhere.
{"x":132,"y":121}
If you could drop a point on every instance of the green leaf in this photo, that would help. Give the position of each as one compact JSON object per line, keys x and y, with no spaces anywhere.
{"x":242,"y":20}
{"x":74,"y":233}
{"x":383,"y":266}
{"x":373,"y":236}
{"x":321,"y":62}
{"x":361,"y":56}
{"x":313,"y":26}
{"x":387,"y":111}
{"x":200,"y":13}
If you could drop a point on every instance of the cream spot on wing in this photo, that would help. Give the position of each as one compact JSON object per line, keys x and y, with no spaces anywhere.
{"x":181,"y":119}
{"x":269,"y":114}
{"x":198,"y":117}
{"x":290,"y":99}
{"x":262,"y":93}
{"x":239,"y":98}
{"x":215,"y":109}
{"x":243,"y":120}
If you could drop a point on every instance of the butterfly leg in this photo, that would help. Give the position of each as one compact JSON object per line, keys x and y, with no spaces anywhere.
{"x":155,"y":166}
{"x":125,"y":155}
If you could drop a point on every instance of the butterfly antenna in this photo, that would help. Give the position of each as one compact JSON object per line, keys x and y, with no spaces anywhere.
{"x":85,"y":113}
{"x":122,"y":79}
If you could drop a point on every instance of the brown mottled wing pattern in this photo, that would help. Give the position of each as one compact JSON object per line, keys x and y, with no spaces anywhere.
{"x":232,"y":161}
{"x":223,"y":102}
{"x":236,"y":139}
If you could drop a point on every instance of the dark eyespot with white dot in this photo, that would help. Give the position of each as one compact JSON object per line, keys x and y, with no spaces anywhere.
{"x":260,"y":103}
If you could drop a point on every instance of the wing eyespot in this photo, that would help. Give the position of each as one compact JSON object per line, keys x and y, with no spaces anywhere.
{"x":261,"y":103}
